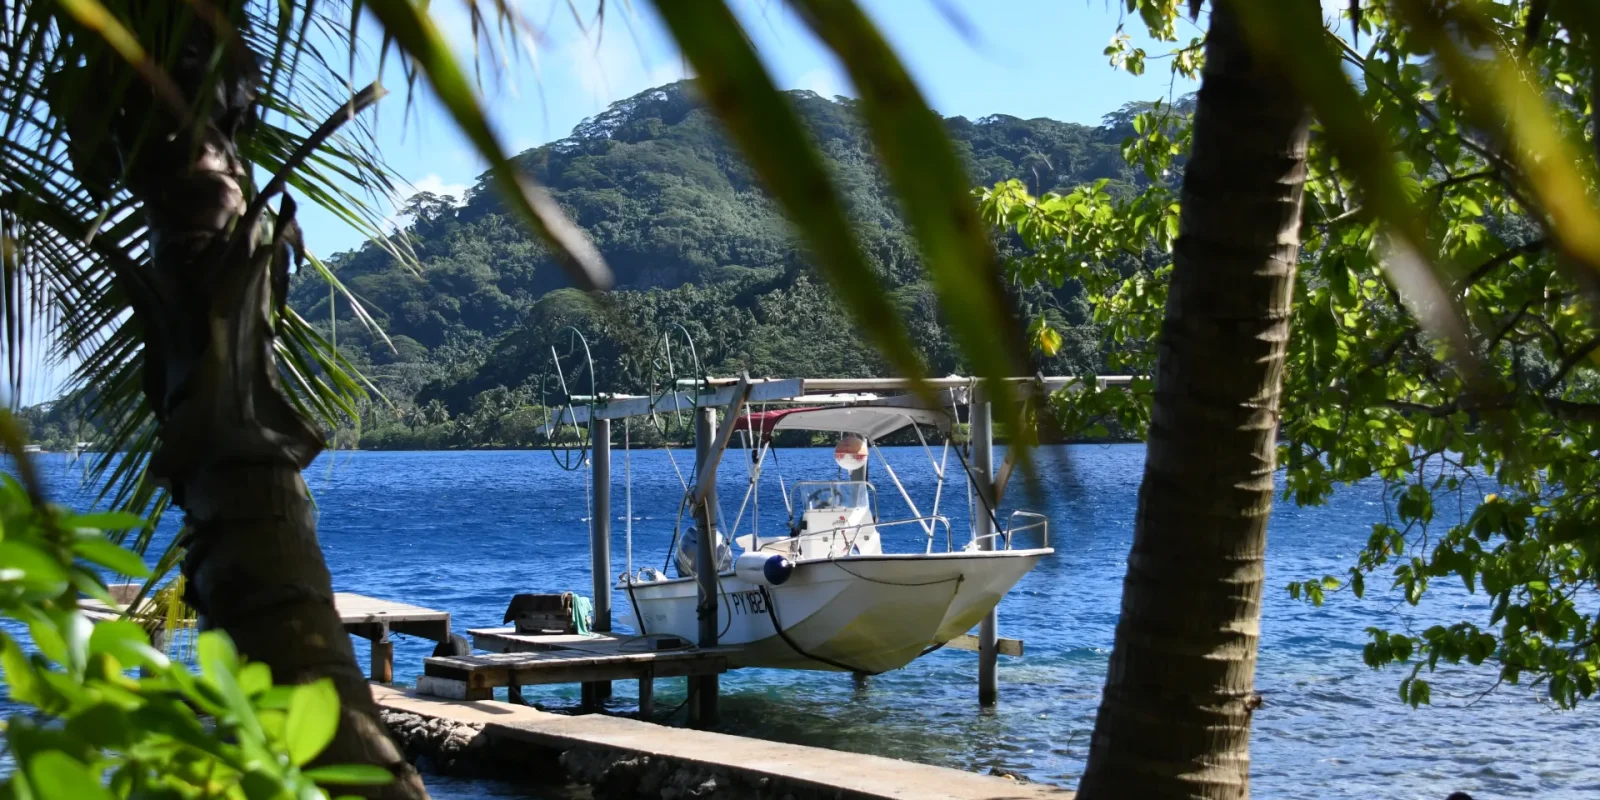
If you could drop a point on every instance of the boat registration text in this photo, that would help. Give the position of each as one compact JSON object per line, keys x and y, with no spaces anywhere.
{"x":750,"y":602}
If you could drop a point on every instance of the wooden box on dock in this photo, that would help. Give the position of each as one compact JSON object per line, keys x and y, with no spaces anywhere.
{"x":542,"y":613}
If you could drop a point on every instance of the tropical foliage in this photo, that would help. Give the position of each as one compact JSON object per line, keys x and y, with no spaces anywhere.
{"x":1444,"y":320}
{"x":153,"y":152}
{"x":224,"y":732}
{"x":1476,"y":406}
{"x":136,"y":236}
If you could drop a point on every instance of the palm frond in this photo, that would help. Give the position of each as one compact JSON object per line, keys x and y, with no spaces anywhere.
{"x":69,"y":242}
{"x":410,"y":30}
{"x":73,"y":239}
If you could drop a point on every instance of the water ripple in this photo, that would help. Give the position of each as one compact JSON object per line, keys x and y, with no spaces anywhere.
{"x":464,"y":531}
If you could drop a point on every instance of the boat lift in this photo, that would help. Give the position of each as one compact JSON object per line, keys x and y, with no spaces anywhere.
{"x":704,"y":397}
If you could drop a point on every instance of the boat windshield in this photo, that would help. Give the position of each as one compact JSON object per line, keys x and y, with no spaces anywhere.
{"x":809,"y":495}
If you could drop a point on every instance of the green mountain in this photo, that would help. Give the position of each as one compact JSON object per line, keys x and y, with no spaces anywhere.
{"x":693,"y":241}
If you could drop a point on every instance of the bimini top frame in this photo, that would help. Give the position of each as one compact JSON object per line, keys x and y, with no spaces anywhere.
{"x":870,"y":421}
{"x":719,"y":392}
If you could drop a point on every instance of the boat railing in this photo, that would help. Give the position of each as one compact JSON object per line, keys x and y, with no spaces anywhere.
{"x":1031,"y":521}
{"x":930,"y":525}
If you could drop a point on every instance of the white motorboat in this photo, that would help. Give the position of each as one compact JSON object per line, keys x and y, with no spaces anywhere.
{"x":843,"y":588}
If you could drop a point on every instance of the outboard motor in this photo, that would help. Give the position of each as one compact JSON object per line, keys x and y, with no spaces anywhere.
{"x":688,"y":549}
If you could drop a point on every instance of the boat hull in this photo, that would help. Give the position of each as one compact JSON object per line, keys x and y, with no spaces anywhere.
{"x":862,"y":613}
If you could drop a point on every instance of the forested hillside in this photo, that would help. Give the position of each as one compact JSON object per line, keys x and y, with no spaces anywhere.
{"x":693,"y":241}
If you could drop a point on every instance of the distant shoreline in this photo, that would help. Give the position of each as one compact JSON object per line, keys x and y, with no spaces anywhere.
{"x":615,"y":446}
{"x":618,"y":446}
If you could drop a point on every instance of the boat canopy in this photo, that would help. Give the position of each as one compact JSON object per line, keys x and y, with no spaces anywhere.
{"x":872,"y":422}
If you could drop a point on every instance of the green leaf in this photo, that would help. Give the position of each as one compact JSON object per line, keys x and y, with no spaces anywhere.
{"x":127,"y":642}
{"x":1500,"y":97}
{"x":1293,"y":33}
{"x":255,"y":678}
{"x":32,"y":570}
{"x":94,"y":16}
{"x":413,"y":30}
{"x":1049,"y":340}
{"x":105,"y":521}
{"x":103,"y":725}
{"x":276,"y":698}
{"x":97,"y":550}
{"x":350,"y":775}
{"x":90,"y":584}
{"x":313,"y":719}
{"x":219,"y":663}
{"x":48,"y":637}
{"x":58,"y":776}
{"x":22,"y":682}
{"x":217,"y":655}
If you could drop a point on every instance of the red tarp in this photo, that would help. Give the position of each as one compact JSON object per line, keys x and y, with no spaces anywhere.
{"x":765,"y":421}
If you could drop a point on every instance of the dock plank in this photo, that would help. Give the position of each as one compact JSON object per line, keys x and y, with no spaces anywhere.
{"x":507,"y":640}
{"x":515,"y":660}
{"x":534,"y":669}
{"x":361,"y":608}
{"x":354,"y":609}
{"x":1004,"y":646}
{"x":370,"y":618}
{"x":373,"y":618}
{"x":836,"y":772}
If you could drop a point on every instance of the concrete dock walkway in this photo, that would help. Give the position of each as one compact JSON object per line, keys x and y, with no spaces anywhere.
{"x":779,"y":769}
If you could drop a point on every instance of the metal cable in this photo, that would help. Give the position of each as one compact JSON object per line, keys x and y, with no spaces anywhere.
{"x":627,"y":480}
{"x":772,"y":613}
{"x":834,"y":561}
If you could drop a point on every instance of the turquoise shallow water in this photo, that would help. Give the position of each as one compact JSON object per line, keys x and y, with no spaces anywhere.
{"x":463,"y":531}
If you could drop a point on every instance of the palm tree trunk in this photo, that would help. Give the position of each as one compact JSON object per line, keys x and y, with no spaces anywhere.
{"x":231,"y":447}
{"x":1175,"y":717}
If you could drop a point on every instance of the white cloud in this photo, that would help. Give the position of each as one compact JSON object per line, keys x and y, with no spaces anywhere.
{"x":436,"y":185}
{"x":431,"y":183}
{"x":617,"y":67}
{"x":669,"y":72}
{"x":827,"y":82}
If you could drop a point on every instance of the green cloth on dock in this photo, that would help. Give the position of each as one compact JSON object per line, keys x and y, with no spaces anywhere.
{"x":582,"y":611}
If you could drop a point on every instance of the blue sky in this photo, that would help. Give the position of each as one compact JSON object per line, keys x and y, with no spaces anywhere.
{"x":1026,"y":58}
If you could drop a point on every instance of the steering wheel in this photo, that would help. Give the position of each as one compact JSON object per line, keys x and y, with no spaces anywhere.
{"x":825,"y":498}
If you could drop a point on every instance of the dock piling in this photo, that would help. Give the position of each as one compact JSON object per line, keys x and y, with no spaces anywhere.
{"x":600,"y":548}
{"x":703,"y":689}
{"x":647,"y":696}
{"x":982,"y":431}
{"x":383,"y":657}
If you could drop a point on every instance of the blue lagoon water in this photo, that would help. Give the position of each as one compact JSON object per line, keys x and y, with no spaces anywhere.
{"x":463,"y":531}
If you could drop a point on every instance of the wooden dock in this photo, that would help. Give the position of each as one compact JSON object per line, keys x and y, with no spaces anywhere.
{"x":516,"y":660}
{"x":778,"y":768}
{"x":370,"y":618}
{"x":373,"y":619}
